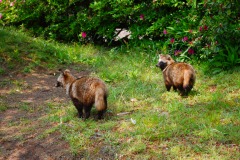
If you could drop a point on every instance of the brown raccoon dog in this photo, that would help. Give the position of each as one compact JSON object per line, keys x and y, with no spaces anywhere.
{"x":177,"y":74}
{"x":84,"y":92}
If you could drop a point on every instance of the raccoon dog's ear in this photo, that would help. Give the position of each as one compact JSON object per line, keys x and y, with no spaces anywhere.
{"x":169,"y":57}
{"x":67,"y":71}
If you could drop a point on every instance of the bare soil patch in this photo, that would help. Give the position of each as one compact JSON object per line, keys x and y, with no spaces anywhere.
{"x":20,"y":127}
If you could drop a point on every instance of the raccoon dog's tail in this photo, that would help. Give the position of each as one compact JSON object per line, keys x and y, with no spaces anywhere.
{"x":188,"y":81}
{"x":101,"y":99}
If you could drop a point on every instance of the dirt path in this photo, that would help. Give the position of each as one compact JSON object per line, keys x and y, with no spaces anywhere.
{"x":24,"y":97}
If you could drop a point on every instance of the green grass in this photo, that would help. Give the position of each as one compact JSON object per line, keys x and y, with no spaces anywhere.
{"x":3,"y":107}
{"x":205,"y":125}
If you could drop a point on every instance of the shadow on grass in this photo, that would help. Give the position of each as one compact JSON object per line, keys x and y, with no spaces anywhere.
{"x":18,"y":52}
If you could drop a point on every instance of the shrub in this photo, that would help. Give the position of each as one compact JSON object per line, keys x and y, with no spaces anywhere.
{"x":190,"y":29}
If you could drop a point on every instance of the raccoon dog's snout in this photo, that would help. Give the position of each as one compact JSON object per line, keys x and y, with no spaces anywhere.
{"x":58,"y":84}
{"x":161,"y":65}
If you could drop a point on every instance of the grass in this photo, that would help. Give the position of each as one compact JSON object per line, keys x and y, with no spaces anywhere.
{"x":206,"y":125}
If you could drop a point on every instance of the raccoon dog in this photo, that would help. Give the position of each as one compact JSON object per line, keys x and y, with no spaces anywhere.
{"x":84,"y":92}
{"x":179,"y":75}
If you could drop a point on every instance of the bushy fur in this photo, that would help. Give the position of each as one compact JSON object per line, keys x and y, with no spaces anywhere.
{"x":179,"y":75}
{"x":84,"y":92}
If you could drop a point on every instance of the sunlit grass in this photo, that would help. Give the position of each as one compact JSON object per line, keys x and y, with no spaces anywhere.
{"x":188,"y":124}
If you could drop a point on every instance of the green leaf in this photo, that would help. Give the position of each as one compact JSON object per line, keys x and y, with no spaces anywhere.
{"x":171,"y":28}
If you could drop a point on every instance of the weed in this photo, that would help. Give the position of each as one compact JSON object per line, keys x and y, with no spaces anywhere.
{"x":3,"y":107}
{"x":2,"y":71}
{"x":24,"y":107}
{"x":47,"y":132}
{"x":5,"y":82}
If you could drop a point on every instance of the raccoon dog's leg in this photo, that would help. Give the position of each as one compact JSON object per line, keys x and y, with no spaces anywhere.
{"x":87,"y":110}
{"x":175,"y":88}
{"x":181,"y":90}
{"x":187,"y":89}
{"x":78,"y":106}
{"x":168,"y":87}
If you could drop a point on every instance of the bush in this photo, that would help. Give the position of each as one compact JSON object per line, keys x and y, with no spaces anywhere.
{"x":190,"y":29}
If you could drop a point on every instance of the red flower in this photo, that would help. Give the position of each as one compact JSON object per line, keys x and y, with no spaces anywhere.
{"x":84,"y":34}
{"x":172,"y":40}
{"x":185,"y":39}
{"x":200,"y":29}
{"x":165,"y":31}
{"x":191,"y":51}
{"x":190,"y":31}
{"x":205,"y":27}
{"x":142,"y":16}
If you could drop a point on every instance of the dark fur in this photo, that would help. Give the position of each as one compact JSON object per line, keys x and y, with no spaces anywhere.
{"x":180,"y":75}
{"x":84,"y":92}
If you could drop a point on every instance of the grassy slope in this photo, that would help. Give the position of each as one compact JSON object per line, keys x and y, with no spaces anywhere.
{"x":206,"y":125}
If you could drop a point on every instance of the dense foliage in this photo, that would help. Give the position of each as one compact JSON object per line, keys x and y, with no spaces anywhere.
{"x":203,"y":29}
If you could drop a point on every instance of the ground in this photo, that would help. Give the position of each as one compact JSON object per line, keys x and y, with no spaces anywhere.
{"x":24,"y":96}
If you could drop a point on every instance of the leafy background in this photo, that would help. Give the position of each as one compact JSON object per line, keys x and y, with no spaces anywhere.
{"x":200,"y":30}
